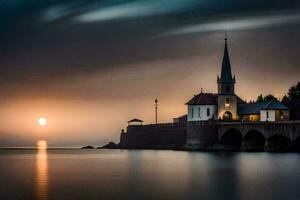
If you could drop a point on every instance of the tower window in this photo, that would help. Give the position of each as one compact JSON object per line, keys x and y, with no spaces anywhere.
{"x":227,"y":102}
{"x":199,"y":112}
{"x":208,"y":112}
{"x":227,"y":89}
{"x":267,"y":114}
{"x":192,"y":112}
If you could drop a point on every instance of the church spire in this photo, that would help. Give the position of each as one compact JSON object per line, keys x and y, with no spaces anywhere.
{"x":226,"y":75}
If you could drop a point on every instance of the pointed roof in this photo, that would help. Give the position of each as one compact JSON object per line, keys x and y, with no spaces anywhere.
{"x":226,"y":75}
{"x":135,"y":120}
{"x":203,"y":99}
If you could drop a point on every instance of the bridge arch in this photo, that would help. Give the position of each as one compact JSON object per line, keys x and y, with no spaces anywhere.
{"x":231,"y":139}
{"x":253,"y":141}
{"x":278,"y":143}
{"x":297,"y":144}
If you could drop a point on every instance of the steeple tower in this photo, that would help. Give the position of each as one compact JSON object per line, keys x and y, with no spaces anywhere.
{"x":227,"y":100}
{"x":226,"y":81}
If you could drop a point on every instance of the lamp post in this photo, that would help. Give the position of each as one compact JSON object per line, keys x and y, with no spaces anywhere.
{"x":156,"y":106}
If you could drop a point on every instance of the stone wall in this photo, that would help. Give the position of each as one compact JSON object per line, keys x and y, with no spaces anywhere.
{"x":215,"y":135}
{"x":154,"y":136}
{"x":201,"y":136}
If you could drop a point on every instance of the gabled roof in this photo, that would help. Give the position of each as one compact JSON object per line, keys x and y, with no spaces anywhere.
{"x":226,"y":75}
{"x":251,"y":108}
{"x":203,"y":99}
{"x":275,"y":105}
{"x":135,"y":120}
{"x":255,"y":108}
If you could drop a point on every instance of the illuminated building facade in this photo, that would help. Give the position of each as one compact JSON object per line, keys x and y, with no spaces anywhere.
{"x":227,"y":106}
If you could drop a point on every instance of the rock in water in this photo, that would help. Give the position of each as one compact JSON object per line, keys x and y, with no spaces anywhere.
{"x":110,"y":145}
{"x":88,"y":147}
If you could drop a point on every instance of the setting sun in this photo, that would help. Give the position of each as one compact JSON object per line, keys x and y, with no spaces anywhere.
{"x":42,"y":121}
{"x":42,"y":145}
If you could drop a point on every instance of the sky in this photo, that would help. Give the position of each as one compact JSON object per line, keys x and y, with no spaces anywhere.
{"x":89,"y":66}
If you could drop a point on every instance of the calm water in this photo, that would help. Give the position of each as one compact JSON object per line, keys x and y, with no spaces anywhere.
{"x":117,"y":174}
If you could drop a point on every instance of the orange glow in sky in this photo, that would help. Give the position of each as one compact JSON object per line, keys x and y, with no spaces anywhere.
{"x":42,"y":145}
{"x":92,"y":108}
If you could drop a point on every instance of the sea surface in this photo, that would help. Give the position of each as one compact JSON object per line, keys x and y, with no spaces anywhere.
{"x":146,"y":174}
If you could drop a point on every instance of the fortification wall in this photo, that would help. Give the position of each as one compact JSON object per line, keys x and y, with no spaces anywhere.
{"x":215,"y":135}
{"x":201,"y":136}
{"x":154,"y":136}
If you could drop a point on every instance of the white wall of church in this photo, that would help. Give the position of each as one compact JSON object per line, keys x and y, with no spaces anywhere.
{"x":200,"y":112}
{"x":267,"y":115}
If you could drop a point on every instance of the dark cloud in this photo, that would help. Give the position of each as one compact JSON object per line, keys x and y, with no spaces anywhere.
{"x":44,"y":41}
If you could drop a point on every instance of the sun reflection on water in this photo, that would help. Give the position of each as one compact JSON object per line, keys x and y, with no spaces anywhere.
{"x":42,"y":174}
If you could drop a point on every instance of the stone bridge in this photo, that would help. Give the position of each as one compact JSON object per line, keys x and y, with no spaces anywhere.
{"x":269,"y":136}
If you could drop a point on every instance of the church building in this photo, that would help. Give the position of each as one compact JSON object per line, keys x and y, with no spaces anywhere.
{"x":227,"y":106}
